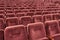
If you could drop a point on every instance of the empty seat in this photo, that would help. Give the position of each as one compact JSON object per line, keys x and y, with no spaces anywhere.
{"x":23,"y":10}
{"x":38,"y":12}
{"x":1,"y":35}
{"x":59,"y":24}
{"x":30,"y":13}
{"x":37,"y":31}
{"x":11,"y":21}
{"x":46,"y":12}
{"x":2,"y":5}
{"x":2,"y":23}
{"x":51,"y":27}
{"x":2,"y":12}
{"x":2,"y":16}
{"x":38,"y":18}
{"x":17,"y":32}
{"x":1,"y":8}
{"x":20,"y":14}
{"x":8,"y":8}
{"x":16,"y":9}
{"x":48,"y":17}
{"x":56,"y":16}
{"x":32,"y":10}
{"x":10,"y":15}
{"x":56,"y":37}
{"x":9,"y":11}
{"x":25,"y":20}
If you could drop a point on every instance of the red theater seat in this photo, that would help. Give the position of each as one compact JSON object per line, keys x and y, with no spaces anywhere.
{"x":56,"y":16}
{"x":30,"y":13}
{"x":9,"y":11}
{"x":38,"y":12}
{"x":11,"y":21}
{"x":37,"y":31}
{"x":2,"y":12}
{"x":2,"y":16}
{"x":51,"y":27}
{"x":20,"y":14}
{"x":56,"y":37}
{"x":10,"y":15}
{"x":1,"y":35}
{"x":48,"y":17}
{"x":46,"y":12}
{"x":1,"y":8}
{"x":38,"y":18}
{"x":59,"y":24}
{"x":17,"y":32}
{"x":8,"y":8}
{"x":25,"y":20}
{"x":32,"y":10}
{"x":2,"y":23}
{"x":16,"y":9}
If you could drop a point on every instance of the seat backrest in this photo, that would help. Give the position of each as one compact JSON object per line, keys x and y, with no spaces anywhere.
{"x":20,"y":14}
{"x":56,"y":16}
{"x":38,"y":12}
{"x":38,"y":18}
{"x":10,"y":15}
{"x":2,"y":12}
{"x":59,"y":24}
{"x":48,"y":17}
{"x":2,"y":16}
{"x":36,"y":31}
{"x":16,"y":32}
{"x":1,"y":35}
{"x":51,"y":27}
{"x":10,"y":21}
{"x":25,"y":20}
{"x":56,"y":37}
{"x":2,"y":23}
{"x":30,"y":13}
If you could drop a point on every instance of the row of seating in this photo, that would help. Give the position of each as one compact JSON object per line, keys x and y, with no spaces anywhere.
{"x":12,"y":20}
{"x":29,"y":20}
{"x":22,"y":8}
{"x":20,"y":14}
{"x":30,"y":11}
{"x":50,"y":30}
{"x":27,"y":3}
